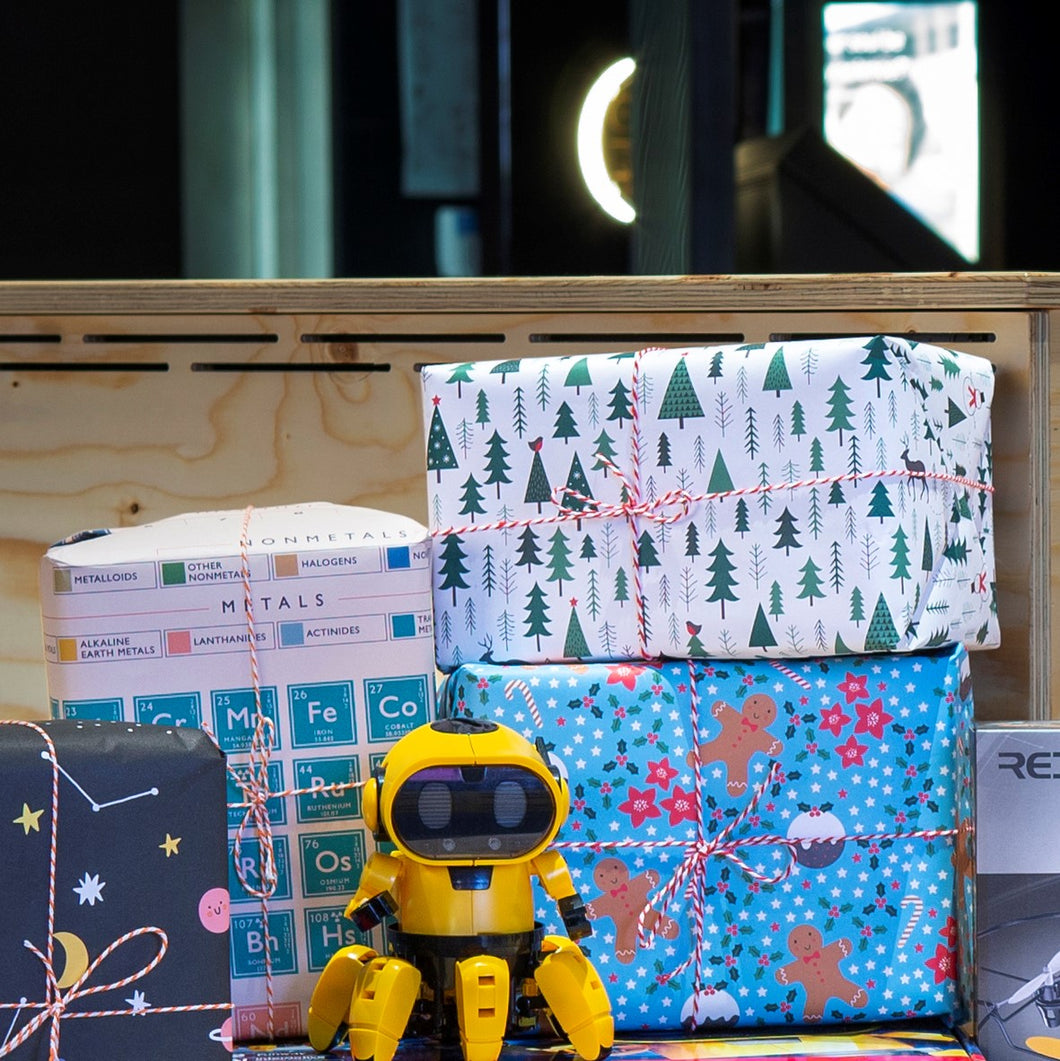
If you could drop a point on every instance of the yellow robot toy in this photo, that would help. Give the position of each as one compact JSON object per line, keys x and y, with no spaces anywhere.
{"x":470,"y":807}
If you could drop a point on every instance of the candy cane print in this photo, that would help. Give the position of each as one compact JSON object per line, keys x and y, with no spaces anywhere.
{"x":918,"y":909}
{"x":789,"y":673}
{"x":518,"y":683}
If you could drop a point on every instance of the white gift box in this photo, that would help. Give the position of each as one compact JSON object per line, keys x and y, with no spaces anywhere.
{"x":778,"y":499}
{"x":150,"y":624}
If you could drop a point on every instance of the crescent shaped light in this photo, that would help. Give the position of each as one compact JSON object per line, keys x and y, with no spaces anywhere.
{"x":591,"y":159}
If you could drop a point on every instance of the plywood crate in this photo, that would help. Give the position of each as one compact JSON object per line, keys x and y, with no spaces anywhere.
{"x":124,"y":403}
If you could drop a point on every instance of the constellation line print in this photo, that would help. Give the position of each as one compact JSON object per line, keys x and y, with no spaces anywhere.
{"x":96,"y":806}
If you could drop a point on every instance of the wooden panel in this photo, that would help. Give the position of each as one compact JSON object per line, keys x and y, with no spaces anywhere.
{"x":123,"y":417}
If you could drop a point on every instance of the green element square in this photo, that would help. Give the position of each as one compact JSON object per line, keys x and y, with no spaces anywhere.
{"x":321,"y":714}
{"x":234,"y":717}
{"x":326,"y":806}
{"x":106,"y":710}
{"x":326,"y":931}
{"x":173,"y":573}
{"x":169,"y":709}
{"x":248,"y":944}
{"x":250,"y":862}
{"x":331,"y":862}
{"x":276,"y":808}
{"x":395,"y":706}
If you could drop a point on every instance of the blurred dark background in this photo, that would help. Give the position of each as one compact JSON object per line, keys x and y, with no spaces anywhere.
{"x":130,"y":150}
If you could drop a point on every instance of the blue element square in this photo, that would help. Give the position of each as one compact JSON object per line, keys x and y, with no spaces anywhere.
{"x":291,"y":634}
{"x":398,"y":557}
{"x":402,"y":626}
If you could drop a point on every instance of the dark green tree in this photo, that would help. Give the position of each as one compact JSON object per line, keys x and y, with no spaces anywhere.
{"x":578,"y":376}
{"x":471,"y":499}
{"x":840,"y":408}
{"x":776,"y":600}
{"x":927,"y":560}
{"x":880,"y":502}
{"x":761,"y":635}
{"x":502,"y":368}
{"x":528,"y":554}
{"x":798,"y":419}
{"x":577,"y":493}
{"x":647,"y":555}
{"x":461,"y":374}
{"x":715,"y":370}
{"x":900,"y":557}
{"x":721,"y":582}
{"x":620,"y":405}
{"x":777,"y":374}
{"x":857,"y":607}
{"x":538,"y":489}
{"x":605,"y":452}
{"x":743,"y":522}
{"x":695,"y":646}
{"x":786,"y":533}
{"x":440,"y":455}
{"x":810,"y":582}
{"x":664,"y":451}
{"x":692,"y":539}
{"x":559,"y":565}
{"x":877,"y":361}
{"x":536,"y":615}
{"x":451,"y":567}
{"x":566,"y":428}
{"x":621,"y":586}
{"x":496,"y":462}
{"x":574,"y":644}
{"x":680,"y":402}
{"x":720,"y":480}
{"x":482,"y":407}
{"x":881,"y":636}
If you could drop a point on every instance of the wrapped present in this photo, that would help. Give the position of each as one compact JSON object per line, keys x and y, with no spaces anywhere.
{"x":114,"y":939}
{"x":301,"y":637}
{"x":757,"y":842}
{"x":768,"y":500}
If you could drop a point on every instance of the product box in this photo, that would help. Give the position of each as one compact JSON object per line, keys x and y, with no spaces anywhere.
{"x":787,"y":499}
{"x":114,"y":937}
{"x":1017,"y":889}
{"x":333,"y":664}
{"x":757,"y":843}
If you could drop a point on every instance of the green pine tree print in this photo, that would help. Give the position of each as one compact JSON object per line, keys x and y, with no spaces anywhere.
{"x":471,"y":499}
{"x":680,"y":402}
{"x":566,"y":428}
{"x":881,"y":636}
{"x":461,"y":374}
{"x":536,"y":615}
{"x":574,"y":644}
{"x":777,"y":378}
{"x":440,"y":455}
{"x":786,"y":534}
{"x":538,"y":489}
{"x":527,"y":555}
{"x":720,"y":480}
{"x":620,"y":405}
{"x":880,"y":503}
{"x":839,"y":408}
{"x":452,"y":568}
{"x":761,"y":635}
{"x":559,"y":559}
{"x":900,"y":557}
{"x":605,"y":453}
{"x":810,"y":582}
{"x":497,"y":466}
{"x":877,"y":361}
{"x":721,"y":582}
{"x":578,"y":376}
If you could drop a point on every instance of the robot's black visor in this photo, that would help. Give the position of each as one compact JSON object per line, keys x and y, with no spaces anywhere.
{"x":459,"y":812}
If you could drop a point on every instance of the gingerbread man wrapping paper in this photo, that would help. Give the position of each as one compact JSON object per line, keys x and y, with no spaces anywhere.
{"x":781,"y":499}
{"x":758,"y":842}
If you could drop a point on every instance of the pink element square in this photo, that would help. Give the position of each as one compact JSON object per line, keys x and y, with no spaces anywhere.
{"x":178,"y":642}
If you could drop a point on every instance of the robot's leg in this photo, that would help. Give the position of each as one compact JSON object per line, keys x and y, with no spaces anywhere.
{"x":482,"y":992}
{"x":381,"y":1007}
{"x":575,"y":994}
{"x":329,"y":1007}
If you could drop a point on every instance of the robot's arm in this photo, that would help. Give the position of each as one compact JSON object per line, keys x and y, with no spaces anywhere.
{"x":555,"y":878}
{"x":373,"y":901}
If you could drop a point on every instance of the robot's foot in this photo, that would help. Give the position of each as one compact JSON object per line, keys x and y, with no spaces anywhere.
{"x":575,"y":994}
{"x":482,"y":996}
{"x":381,"y":1007}
{"x":329,"y":1007}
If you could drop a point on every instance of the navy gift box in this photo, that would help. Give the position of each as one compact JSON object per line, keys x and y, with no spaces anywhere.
{"x":113,"y":872}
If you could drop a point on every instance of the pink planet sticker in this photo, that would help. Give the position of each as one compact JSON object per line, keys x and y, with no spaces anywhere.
{"x":213,"y":910}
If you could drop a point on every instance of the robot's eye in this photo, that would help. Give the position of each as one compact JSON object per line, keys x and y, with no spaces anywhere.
{"x":509,"y":804}
{"x":435,"y":805}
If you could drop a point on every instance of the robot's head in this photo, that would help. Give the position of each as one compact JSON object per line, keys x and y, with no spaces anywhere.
{"x":465,"y":790}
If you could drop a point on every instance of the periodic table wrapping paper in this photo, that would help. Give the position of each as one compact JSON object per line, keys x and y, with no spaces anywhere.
{"x":114,"y":939}
{"x":758,"y":842}
{"x":771,"y":499}
{"x":300,"y":637}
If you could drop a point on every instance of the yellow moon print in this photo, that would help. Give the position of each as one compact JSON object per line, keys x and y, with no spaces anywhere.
{"x":76,"y":954}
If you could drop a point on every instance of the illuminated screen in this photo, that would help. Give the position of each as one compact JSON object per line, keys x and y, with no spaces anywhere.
{"x":901,"y":101}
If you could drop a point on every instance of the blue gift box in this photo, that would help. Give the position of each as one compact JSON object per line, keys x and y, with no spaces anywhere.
{"x":757,"y":842}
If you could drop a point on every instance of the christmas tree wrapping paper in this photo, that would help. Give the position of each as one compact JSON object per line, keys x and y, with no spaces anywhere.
{"x":775,"y":500}
{"x":301,"y":637}
{"x":114,"y":938}
{"x":758,"y":843}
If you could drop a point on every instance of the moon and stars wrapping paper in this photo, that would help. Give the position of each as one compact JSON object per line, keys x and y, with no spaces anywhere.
{"x":808,"y":877}
{"x":138,"y":818}
{"x":781,"y":499}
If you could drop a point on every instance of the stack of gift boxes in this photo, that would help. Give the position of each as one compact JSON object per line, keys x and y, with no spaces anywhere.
{"x":731,"y":589}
